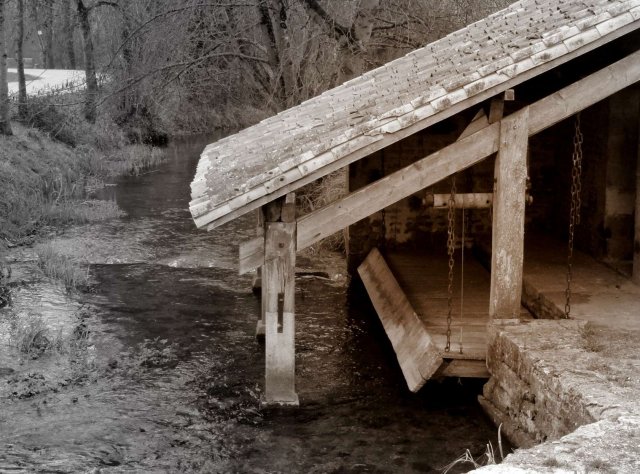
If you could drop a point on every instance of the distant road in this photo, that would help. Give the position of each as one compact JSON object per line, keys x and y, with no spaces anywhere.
{"x":43,"y":80}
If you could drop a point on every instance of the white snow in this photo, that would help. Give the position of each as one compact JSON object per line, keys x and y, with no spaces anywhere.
{"x":48,"y":79}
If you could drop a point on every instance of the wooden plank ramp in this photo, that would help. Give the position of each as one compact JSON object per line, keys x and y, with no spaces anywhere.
{"x":417,"y":355}
{"x":409,"y":293}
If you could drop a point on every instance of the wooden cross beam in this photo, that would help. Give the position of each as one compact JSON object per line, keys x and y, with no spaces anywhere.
{"x":456,"y":157}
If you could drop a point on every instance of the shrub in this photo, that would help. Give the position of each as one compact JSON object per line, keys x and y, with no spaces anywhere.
{"x":58,"y":114}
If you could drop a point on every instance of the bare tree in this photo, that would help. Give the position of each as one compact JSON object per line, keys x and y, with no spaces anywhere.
{"x":5,"y":124}
{"x":22,"y":83}
{"x":89,"y":63}
{"x":47,"y":27}
{"x":91,"y":96}
{"x":68,"y":29}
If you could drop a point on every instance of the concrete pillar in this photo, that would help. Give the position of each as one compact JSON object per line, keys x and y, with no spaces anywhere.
{"x":508,"y":217}
{"x":278,"y":289}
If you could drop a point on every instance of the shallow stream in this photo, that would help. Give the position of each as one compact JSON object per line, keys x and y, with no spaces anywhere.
{"x":168,"y":375}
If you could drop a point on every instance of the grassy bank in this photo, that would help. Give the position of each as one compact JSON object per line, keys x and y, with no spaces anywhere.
{"x":47,"y":184}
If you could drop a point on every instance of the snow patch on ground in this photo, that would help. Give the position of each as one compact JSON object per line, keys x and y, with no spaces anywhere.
{"x":49,"y":79}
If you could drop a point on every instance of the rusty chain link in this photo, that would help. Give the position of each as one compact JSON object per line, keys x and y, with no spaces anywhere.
{"x":576,"y":204}
{"x":451,"y":247}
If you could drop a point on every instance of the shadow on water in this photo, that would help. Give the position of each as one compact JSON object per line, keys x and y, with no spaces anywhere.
{"x":175,"y":376}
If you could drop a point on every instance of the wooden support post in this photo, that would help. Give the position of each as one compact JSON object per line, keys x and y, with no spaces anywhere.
{"x":508,"y":217}
{"x":257,"y":279}
{"x":636,"y":240}
{"x":278,"y":286}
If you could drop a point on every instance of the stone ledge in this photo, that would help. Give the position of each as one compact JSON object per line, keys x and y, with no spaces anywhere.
{"x":571,"y":384}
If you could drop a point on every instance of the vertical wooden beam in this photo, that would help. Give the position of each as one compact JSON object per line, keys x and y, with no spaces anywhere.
{"x":278,"y":286}
{"x":636,"y":240}
{"x":257,"y":279}
{"x":508,"y":217}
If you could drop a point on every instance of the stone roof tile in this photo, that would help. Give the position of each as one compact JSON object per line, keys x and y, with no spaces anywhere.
{"x":241,"y":172}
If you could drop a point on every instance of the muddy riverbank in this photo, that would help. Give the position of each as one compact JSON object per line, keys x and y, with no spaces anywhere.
{"x":155,"y":367}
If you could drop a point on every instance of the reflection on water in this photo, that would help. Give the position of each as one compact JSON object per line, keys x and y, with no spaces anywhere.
{"x":187,"y":398}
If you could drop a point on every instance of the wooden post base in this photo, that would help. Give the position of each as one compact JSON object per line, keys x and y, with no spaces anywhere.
{"x":292,"y":401}
{"x":280,"y":361}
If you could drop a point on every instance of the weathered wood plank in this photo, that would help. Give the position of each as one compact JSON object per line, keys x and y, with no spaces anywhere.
{"x":251,"y":254}
{"x":507,"y":254}
{"x":461,"y":200}
{"x":418,"y":357}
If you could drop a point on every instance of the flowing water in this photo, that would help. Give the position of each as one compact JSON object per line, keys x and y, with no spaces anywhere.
{"x":167,"y":374}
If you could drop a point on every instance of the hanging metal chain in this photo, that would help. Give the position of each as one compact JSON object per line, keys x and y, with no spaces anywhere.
{"x":451,"y":247}
{"x":463,"y":240}
{"x":576,"y":204}
{"x":383,"y":212}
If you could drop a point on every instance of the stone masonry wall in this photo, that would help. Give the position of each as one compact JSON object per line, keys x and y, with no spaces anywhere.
{"x":566,"y":393}
{"x":550,"y":377}
{"x":525,"y":395}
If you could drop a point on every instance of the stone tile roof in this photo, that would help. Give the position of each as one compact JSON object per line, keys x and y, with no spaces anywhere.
{"x":248,"y":169}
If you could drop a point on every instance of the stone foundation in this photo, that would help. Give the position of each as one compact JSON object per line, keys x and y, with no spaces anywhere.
{"x":571,"y":390}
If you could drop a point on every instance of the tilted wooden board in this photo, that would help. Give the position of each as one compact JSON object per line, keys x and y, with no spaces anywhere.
{"x":418,"y":357}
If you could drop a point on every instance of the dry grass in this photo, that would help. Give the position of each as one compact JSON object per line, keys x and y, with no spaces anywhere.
{"x":71,"y":273}
{"x":590,"y":341}
{"x":320,"y":193}
{"x":134,"y":160}
{"x":81,"y":212}
{"x":488,"y":458}
{"x":31,"y":336}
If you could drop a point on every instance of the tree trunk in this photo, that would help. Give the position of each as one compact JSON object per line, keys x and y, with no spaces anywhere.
{"x":49,"y":62}
{"x":69,"y":28}
{"x":273,"y":16}
{"x":5,"y":124}
{"x":89,"y":63}
{"x":22,"y":83}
